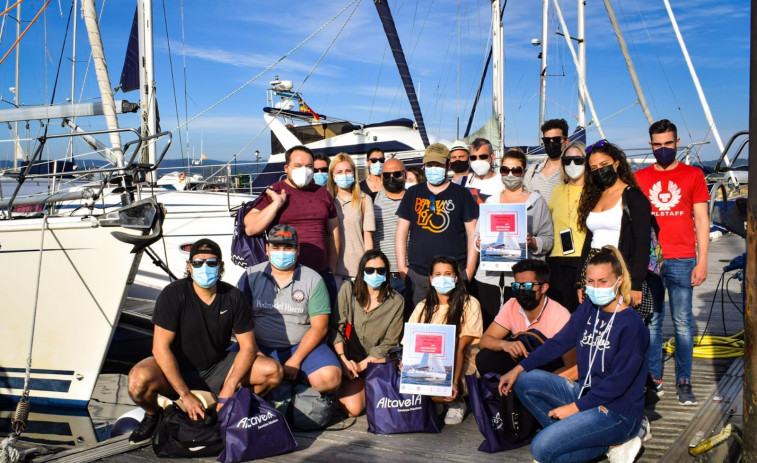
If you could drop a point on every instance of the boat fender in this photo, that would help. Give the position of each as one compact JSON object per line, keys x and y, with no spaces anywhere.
{"x":127,"y":422}
{"x":182,"y":177}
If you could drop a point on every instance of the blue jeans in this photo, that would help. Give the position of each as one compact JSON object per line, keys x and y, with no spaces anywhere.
{"x":580,"y":437}
{"x":676,"y":275}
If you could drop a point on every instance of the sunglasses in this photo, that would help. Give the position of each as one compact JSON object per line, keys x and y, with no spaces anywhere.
{"x":211,"y":261}
{"x":372,"y":270}
{"x":552,"y":140}
{"x":517,"y":171}
{"x":577,"y":160}
{"x":432,"y":206}
{"x":526,"y":285}
{"x":596,"y":145}
{"x":321,"y":170}
{"x":381,"y":160}
{"x":395,"y":174}
{"x":483,"y":157}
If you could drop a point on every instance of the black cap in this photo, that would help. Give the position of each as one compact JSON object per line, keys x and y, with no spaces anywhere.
{"x":205,"y":246}
{"x":283,"y":234}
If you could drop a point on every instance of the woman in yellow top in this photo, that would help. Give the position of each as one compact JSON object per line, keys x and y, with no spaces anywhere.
{"x":569,"y":239}
{"x":447,"y":303}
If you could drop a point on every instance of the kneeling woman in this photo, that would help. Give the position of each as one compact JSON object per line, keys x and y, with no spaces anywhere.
{"x":366,"y":325}
{"x":448,"y":303}
{"x":602,"y":412}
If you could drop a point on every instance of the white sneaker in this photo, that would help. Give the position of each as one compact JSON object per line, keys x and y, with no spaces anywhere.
{"x":625,"y":452}
{"x":455,"y":413}
{"x":645,"y":432}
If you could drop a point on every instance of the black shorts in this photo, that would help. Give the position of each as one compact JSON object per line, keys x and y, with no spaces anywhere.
{"x":212,"y":378}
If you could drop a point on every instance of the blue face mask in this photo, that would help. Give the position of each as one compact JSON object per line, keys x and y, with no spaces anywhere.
{"x":442,"y":284}
{"x":665,"y":156}
{"x":374,"y":280}
{"x":205,"y":276}
{"x":601,"y":296}
{"x":344,"y":181}
{"x":435,"y":175}
{"x":282,"y":260}
{"x":321,"y":178}
{"x":376,"y":168}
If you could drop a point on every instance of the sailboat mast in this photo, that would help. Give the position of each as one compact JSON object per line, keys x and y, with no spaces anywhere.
{"x":498,"y":73}
{"x":73,"y":71}
{"x":17,"y":144}
{"x":581,"y":39}
{"x":543,"y":71}
{"x":147,"y":79}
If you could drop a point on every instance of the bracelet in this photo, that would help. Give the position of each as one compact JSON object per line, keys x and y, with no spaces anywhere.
{"x":342,"y":355}
{"x":222,"y":400}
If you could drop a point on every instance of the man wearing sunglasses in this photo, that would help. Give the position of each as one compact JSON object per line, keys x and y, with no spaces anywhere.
{"x":440,"y":219}
{"x":290,"y":306}
{"x":544,"y":176}
{"x":373,"y":183}
{"x":528,"y":309}
{"x":194,"y":319}
{"x":483,"y":182}
{"x":385,"y":211}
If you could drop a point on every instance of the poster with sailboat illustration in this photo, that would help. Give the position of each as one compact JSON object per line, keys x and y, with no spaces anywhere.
{"x":503,"y":235}
{"x":428,"y":359}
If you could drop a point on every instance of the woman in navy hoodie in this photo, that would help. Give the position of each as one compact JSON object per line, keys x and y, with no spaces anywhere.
{"x":601,"y":413}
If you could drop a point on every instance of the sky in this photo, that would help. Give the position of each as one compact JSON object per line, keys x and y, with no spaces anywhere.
{"x":205,"y":51}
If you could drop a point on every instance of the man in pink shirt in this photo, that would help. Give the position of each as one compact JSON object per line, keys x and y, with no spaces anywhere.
{"x":529,"y":309}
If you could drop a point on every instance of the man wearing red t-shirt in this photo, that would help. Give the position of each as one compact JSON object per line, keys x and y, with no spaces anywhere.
{"x":678,"y":194}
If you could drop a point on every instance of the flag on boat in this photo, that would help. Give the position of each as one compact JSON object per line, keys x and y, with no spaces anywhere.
{"x":306,"y":109}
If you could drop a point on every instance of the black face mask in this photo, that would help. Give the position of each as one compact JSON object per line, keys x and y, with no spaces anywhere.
{"x":526,"y":299}
{"x":605,"y":176}
{"x":393,"y":184}
{"x":459,"y":167}
{"x":554,"y":150}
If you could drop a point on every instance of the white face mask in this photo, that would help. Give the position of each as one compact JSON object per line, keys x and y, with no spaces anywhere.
{"x":302,"y":176}
{"x":573,"y":171}
{"x":481,"y":168}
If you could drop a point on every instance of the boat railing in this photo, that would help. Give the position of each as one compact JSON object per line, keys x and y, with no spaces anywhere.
{"x":131,"y":167}
{"x":724,"y":157}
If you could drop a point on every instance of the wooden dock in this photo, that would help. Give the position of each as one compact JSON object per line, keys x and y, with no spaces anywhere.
{"x":459,"y":443}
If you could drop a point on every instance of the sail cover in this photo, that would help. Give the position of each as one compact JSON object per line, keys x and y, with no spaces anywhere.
{"x":130,"y":71}
{"x":382,"y":7}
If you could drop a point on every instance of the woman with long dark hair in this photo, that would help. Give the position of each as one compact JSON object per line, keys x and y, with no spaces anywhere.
{"x":366,"y":324}
{"x":602,"y":412}
{"x":613,"y":211}
{"x":447,"y":303}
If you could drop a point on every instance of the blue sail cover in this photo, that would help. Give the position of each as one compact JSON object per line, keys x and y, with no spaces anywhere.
{"x":382,"y":7}
{"x":130,"y":71}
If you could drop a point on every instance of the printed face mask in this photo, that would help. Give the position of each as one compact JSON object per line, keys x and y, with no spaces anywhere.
{"x":481,"y":168}
{"x":374,"y":280}
{"x":376,"y":168}
{"x":443,"y":284}
{"x":205,"y":276}
{"x":601,"y":296}
{"x":605,"y":176}
{"x":573,"y":171}
{"x":512,"y":182}
{"x":393,"y":184}
{"x":459,"y":166}
{"x":435,"y":175}
{"x":302,"y":176}
{"x":321,"y":178}
{"x":526,"y":299}
{"x":282,"y":260}
{"x":665,"y":156}
{"x":344,"y":181}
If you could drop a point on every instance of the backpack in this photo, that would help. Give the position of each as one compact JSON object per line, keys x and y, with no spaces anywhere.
{"x":305,"y":408}
{"x":246,"y":250}
{"x":177,"y":435}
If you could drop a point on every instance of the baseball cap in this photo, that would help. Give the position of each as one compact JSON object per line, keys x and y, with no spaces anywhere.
{"x":436,"y":153}
{"x":205,"y":246}
{"x":283,"y":234}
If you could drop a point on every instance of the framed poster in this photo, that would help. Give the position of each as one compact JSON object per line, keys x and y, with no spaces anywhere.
{"x":503,"y":230}
{"x":428,"y":359}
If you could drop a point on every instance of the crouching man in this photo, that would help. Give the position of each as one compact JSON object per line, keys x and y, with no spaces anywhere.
{"x":194,"y":319}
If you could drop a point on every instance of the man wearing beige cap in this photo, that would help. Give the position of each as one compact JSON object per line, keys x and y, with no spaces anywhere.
{"x":440,"y":218}
{"x":459,"y":162}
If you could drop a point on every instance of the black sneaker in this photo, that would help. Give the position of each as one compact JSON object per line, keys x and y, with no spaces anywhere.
{"x":685,"y":396}
{"x":145,"y":429}
{"x":657,"y":387}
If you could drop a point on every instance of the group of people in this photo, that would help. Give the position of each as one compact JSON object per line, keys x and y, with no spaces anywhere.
{"x":351,"y":261}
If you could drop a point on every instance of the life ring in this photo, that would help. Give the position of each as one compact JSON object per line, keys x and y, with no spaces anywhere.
{"x":182,"y":177}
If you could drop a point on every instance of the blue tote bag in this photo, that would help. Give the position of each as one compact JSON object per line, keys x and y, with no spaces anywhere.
{"x":252,"y":428}
{"x":247,"y":251}
{"x":390,"y":412}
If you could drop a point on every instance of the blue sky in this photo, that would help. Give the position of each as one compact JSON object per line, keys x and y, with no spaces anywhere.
{"x":227,"y":43}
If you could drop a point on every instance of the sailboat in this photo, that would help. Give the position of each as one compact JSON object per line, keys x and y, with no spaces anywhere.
{"x":430,"y":367}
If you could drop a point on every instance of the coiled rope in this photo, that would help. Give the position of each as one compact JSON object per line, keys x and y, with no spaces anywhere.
{"x":713,"y":347}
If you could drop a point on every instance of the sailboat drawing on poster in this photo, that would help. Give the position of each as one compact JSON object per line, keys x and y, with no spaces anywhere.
{"x":503,"y":232}
{"x":428,"y":359}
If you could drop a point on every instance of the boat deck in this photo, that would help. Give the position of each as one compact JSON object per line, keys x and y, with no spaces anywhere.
{"x":672,"y":424}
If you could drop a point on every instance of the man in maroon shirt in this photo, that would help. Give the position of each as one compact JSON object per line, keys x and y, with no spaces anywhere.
{"x":309,"y":208}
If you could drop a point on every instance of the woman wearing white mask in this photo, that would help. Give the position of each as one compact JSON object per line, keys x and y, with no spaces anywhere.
{"x":447,"y":303}
{"x":493,"y":287}
{"x":569,"y":239}
{"x":602,"y":412}
{"x":354,"y":210}
{"x":366,"y":324}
